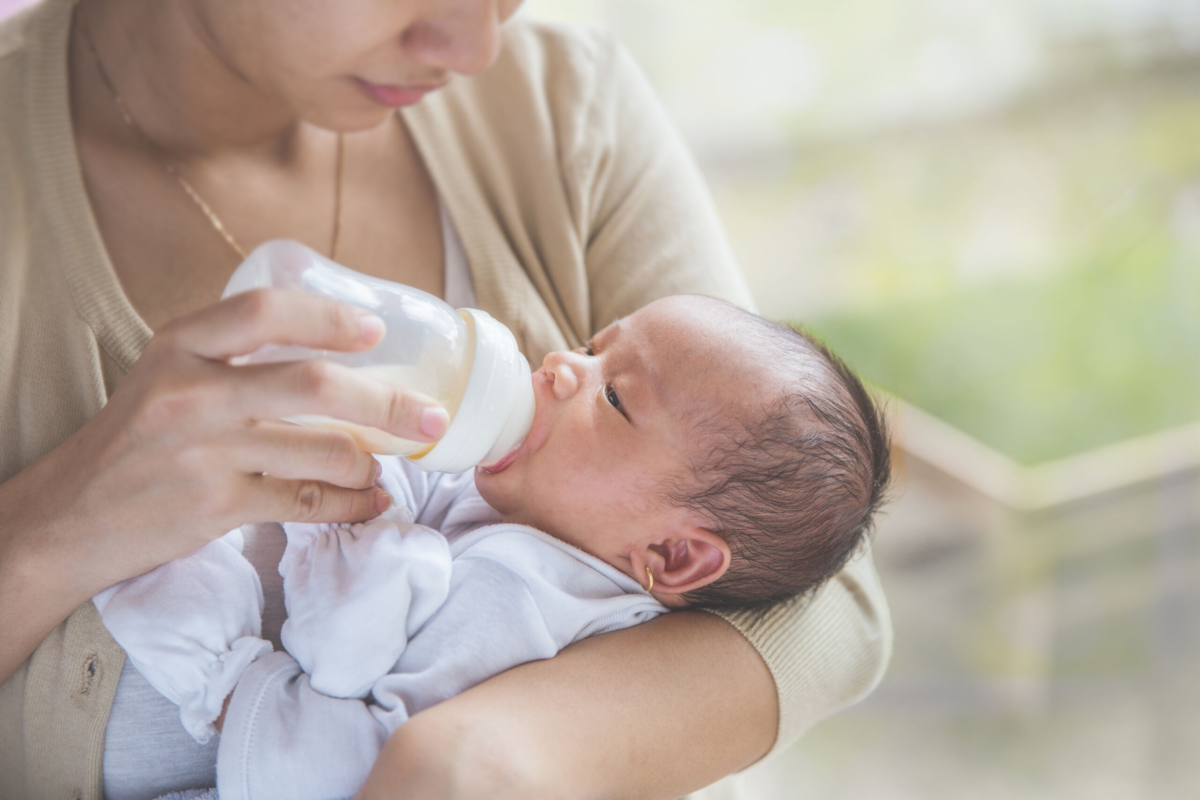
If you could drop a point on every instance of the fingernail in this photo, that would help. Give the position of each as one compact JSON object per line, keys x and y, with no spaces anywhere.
{"x":372,"y":327}
{"x":378,"y":471}
{"x":434,"y":421}
{"x":383,"y":501}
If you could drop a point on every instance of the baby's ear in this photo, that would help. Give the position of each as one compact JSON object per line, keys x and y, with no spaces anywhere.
{"x":692,"y":558}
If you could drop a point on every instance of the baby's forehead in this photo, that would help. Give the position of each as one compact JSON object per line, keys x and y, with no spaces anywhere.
{"x":697,"y":351}
{"x":687,"y":326}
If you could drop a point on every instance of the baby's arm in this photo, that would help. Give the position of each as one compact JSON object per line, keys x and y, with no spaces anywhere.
{"x":512,"y":598}
{"x":355,"y":594}
{"x":516,"y":595}
{"x":285,"y":739}
{"x":191,"y":627}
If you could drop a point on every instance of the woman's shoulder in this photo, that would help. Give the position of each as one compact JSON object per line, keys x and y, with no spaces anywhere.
{"x":14,"y":31}
{"x":564,"y":74}
{"x":28,"y":26}
{"x":30,"y":40}
{"x":15,"y":34}
{"x":544,"y":49}
{"x":16,"y":156}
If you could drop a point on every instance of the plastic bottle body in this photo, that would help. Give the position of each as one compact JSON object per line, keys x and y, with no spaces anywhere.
{"x":429,"y":348}
{"x":374,"y":440}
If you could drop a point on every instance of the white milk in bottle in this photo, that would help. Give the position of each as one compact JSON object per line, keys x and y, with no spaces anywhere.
{"x":464,"y":359}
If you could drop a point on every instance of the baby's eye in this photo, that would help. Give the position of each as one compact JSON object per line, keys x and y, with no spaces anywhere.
{"x":610,"y":394}
{"x":588,"y":351}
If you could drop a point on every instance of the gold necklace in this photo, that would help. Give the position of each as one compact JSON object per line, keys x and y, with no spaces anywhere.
{"x":187,"y":187}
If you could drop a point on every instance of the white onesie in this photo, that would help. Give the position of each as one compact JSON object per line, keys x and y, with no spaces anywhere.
{"x":385,"y":618}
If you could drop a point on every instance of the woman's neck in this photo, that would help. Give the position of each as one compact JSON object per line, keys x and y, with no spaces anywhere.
{"x":180,"y":89}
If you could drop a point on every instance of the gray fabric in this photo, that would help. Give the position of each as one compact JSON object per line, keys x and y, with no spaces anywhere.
{"x":147,"y":752}
{"x":264,"y":546}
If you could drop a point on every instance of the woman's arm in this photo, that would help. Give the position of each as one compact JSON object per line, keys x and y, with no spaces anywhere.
{"x":186,"y":449}
{"x":654,"y":711}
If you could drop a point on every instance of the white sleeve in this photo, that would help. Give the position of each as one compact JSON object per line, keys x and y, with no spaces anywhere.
{"x":516,"y":595}
{"x":447,"y":502}
{"x":489,"y":623}
{"x":513,"y":597}
{"x":191,"y":627}
{"x":355,"y":594}
{"x":284,"y":740}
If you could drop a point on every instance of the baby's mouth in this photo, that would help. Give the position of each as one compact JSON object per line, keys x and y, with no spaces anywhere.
{"x":499,"y":466}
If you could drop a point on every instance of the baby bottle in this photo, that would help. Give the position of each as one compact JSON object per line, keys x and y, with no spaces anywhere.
{"x":464,"y":359}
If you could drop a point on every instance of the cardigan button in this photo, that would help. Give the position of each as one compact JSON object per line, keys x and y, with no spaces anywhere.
{"x":89,"y":672}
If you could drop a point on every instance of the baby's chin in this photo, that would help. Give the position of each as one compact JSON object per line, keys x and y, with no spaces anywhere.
{"x":503,"y":492}
{"x":500,"y":491}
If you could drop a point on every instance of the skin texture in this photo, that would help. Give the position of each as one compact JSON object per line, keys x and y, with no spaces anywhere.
{"x":242,"y":100}
{"x":614,"y":423}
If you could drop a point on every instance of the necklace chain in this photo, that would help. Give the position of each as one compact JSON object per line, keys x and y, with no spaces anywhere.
{"x":183,"y":182}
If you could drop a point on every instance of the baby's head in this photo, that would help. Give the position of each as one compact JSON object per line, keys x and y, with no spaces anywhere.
{"x":734,"y":458}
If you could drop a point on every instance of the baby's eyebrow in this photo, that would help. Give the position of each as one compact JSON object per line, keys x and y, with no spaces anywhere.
{"x":608,"y":331}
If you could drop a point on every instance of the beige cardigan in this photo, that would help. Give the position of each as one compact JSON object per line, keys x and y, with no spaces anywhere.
{"x":576,"y":203}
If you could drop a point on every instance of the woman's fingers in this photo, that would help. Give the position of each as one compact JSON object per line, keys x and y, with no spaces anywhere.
{"x":278,"y":500}
{"x":285,"y":389}
{"x":292,"y":452}
{"x":243,"y":323}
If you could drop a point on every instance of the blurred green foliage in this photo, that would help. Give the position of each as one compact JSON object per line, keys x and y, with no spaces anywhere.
{"x":1086,"y":333}
{"x":1044,"y":370}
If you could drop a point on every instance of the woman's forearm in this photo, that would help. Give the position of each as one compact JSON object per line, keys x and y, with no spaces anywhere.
{"x":40,"y":574}
{"x":654,"y":711}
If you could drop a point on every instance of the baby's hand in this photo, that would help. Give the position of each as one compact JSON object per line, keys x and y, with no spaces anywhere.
{"x":355,"y":594}
{"x":191,"y":627}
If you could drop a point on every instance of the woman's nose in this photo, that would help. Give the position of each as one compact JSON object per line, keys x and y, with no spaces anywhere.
{"x":565,"y":369}
{"x":462,"y":36}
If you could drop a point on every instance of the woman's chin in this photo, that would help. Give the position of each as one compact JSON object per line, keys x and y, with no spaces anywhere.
{"x":346,"y":113}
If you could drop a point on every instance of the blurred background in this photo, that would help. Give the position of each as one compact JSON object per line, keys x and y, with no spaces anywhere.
{"x":990,"y":208}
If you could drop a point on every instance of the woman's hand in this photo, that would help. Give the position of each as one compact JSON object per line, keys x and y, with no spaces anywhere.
{"x":653,"y":711}
{"x":189,"y":447}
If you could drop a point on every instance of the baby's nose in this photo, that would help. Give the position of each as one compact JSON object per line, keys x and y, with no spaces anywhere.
{"x":563,"y":371}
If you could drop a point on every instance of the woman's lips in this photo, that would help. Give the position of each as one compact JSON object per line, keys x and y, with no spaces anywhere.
{"x":394,"y":96}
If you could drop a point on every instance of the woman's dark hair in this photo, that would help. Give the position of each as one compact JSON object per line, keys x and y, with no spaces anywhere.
{"x":794,"y":490}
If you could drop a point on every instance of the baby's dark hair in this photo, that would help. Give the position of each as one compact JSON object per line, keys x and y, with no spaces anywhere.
{"x":792,"y":490}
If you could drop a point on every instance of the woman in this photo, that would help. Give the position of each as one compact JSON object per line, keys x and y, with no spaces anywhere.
{"x":145,"y":147}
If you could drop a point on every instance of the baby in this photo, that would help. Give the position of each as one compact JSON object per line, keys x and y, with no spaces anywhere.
{"x":692,"y":455}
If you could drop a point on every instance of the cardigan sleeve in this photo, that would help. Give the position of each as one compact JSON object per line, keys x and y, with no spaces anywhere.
{"x":651,"y":227}
{"x":653,"y":231}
